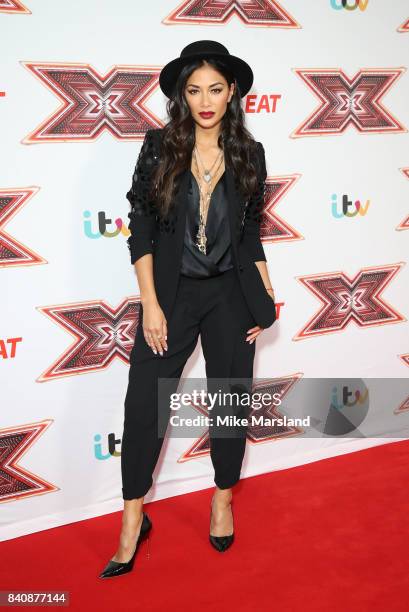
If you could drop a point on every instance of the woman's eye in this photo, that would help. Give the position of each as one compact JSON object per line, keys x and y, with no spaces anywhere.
{"x":193,"y":91}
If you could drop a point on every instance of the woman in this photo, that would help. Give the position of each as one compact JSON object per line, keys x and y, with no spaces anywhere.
{"x":196,"y":201}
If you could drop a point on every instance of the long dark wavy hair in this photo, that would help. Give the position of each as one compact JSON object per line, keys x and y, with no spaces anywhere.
{"x":178,"y":141}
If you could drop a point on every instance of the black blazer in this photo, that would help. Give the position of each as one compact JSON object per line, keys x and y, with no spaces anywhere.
{"x":164,"y":237}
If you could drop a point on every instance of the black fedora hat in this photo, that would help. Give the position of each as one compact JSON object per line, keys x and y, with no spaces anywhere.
{"x":202,"y":49}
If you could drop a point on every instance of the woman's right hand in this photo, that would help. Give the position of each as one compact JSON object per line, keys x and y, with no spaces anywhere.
{"x":154,"y":327}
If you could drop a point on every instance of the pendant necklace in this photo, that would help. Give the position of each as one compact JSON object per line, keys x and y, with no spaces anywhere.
{"x":201,"y":238}
{"x":207,"y":173}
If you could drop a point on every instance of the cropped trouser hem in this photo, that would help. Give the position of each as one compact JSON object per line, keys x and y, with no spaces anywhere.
{"x":128,"y":494}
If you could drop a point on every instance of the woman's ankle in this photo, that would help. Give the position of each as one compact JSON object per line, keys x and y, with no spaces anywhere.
{"x":222,"y":497}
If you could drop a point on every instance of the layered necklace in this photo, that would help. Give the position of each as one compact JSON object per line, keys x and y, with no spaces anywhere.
{"x":205,"y":196}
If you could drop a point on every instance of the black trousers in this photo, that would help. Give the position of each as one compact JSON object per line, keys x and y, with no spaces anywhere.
{"x":216,"y":309}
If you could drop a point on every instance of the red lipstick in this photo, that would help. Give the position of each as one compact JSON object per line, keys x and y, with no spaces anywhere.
{"x":206,"y":115}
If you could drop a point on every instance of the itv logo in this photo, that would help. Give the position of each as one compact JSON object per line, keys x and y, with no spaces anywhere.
{"x":348,"y":208}
{"x":103,"y":224}
{"x":349,"y":5}
{"x":111,"y":444}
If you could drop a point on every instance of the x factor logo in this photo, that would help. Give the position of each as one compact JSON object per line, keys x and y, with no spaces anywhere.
{"x":12,"y":252}
{"x":101,"y":334}
{"x":13,"y":6}
{"x":345,"y":102}
{"x":403,"y":225}
{"x":17,"y":482}
{"x":404,"y":27}
{"x":274,"y":228}
{"x":346,"y":300}
{"x":92,"y":103}
{"x":218,"y":12}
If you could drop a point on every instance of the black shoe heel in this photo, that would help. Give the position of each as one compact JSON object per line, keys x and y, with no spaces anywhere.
{"x":115,"y":568}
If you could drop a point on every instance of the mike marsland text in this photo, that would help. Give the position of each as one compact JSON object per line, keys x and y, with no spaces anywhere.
{"x":233,"y":421}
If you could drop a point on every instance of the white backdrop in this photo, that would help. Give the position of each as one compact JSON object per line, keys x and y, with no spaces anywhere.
{"x":59,"y":410}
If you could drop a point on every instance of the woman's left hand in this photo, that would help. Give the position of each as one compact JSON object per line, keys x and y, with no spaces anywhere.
{"x":256,"y":331}
{"x":253,"y":333}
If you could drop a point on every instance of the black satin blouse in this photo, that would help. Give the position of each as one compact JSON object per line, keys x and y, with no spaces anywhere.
{"x":218,"y":258}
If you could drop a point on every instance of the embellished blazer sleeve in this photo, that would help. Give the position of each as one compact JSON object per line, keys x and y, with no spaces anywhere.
{"x":254,"y":212}
{"x":143,"y":212}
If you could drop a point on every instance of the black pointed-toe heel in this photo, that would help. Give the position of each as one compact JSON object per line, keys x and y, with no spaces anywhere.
{"x":221,"y":543}
{"x":115,"y":568}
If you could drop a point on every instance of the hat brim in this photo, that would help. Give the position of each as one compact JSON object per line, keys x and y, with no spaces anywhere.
{"x":242,"y":71}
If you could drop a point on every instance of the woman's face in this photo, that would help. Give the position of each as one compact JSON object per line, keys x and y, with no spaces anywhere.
{"x":207,"y":91}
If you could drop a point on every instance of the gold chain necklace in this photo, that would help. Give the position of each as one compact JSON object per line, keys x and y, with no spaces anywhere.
{"x":201,"y":238}
{"x":207,"y":173}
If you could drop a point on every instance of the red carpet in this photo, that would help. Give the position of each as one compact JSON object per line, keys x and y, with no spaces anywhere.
{"x":331,"y":535}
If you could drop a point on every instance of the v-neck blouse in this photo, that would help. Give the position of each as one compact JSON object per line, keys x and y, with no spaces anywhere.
{"x":218,"y":258}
